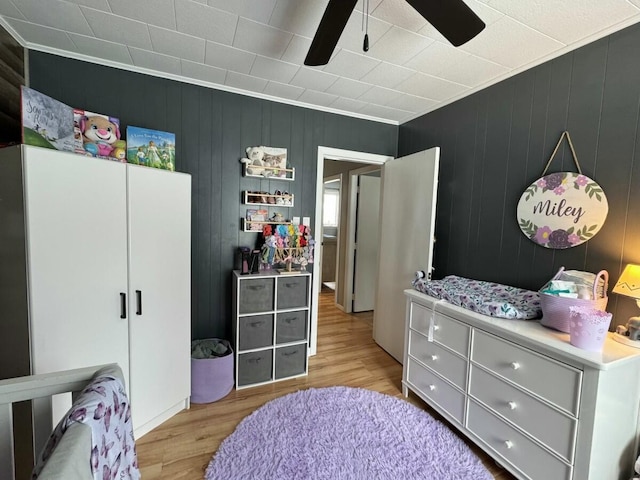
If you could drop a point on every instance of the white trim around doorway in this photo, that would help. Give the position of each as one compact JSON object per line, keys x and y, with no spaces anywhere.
{"x":328,"y":153}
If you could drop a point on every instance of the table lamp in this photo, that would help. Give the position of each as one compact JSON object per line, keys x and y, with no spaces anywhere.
{"x":629,"y":285}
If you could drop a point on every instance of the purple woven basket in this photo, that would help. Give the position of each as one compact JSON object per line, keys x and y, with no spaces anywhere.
{"x":555,"y":310}
{"x":211,"y":378}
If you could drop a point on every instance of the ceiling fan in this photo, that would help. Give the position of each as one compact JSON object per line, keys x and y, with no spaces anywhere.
{"x":452,"y":18}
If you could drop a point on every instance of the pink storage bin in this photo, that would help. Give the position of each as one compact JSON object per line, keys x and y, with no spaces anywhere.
{"x":555,"y":310}
{"x":588,"y":328}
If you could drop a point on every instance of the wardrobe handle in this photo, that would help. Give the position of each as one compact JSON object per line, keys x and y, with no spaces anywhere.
{"x":138,"y":302}
{"x":123,"y":305}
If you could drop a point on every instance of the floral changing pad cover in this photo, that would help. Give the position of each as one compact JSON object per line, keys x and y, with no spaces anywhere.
{"x":488,"y":298}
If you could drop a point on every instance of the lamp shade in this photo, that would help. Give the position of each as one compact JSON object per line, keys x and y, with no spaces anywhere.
{"x":629,"y":282}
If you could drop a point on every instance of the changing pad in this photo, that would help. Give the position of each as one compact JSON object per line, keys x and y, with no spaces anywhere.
{"x":488,"y":298}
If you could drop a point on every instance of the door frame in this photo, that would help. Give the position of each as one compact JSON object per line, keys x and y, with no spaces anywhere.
{"x":329,"y":153}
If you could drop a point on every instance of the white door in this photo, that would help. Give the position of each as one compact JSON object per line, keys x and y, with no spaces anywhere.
{"x":159,"y":208}
{"x":407,"y":223}
{"x":366,"y":254}
{"x":77,"y":262}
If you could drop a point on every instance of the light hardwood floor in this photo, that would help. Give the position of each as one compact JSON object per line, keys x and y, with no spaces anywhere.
{"x":182,"y":447}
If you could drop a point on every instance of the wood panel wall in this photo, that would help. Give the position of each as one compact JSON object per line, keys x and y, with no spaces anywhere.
{"x":213,"y":128}
{"x":11,"y":77}
{"x":497,"y":141}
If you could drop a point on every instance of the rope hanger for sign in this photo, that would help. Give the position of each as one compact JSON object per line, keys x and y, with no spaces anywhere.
{"x":563,"y":209}
{"x":555,"y":150}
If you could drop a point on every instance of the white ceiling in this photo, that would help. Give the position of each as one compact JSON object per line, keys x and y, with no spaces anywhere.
{"x":258,"y":46}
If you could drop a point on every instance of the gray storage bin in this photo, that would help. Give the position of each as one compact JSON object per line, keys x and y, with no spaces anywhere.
{"x":256,"y":295}
{"x":255,"y":331}
{"x":255,"y":367}
{"x":291,"y":326}
{"x":292,"y":292}
{"x":291,"y":361}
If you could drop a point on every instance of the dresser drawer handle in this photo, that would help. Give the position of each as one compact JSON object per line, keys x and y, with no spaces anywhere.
{"x":432,"y":387}
{"x":515,"y":365}
{"x":508,"y":444}
{"x":512,"y":405}
{"x":291,"y":285}
{"x":255,"y":360}
{"x":434,"y":357}
{"x":257,"y":324}
{"x":290,"y":319}
{"x":288,"y":354}
{"x":255,"y":287}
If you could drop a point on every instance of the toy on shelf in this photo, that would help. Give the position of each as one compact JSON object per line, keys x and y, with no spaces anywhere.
{"x":287,"y":245}
{"x":267,"y":162}
{"x":98,"y":135}
{"x":278,"y":198}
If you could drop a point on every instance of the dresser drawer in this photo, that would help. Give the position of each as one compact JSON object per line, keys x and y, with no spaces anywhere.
{"x":256,"y":295}
{"x":291,"y":326}
{"x":439,"y":359}
{"x":291,"y":361}
{"x":293,"y":292}
{"x":551,"y":427}
{"x":255,"y":331}
{"x":255,"y":367}
{"x":523,"y":453}
{"x":436,"y":389}
{"x":554,"y":381}
{"x":448,"y":332}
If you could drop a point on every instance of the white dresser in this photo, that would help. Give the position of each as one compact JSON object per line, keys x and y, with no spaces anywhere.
{"x":541,"y":407}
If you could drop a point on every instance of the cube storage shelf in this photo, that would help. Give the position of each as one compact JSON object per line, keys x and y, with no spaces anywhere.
{"x":271,"y":326}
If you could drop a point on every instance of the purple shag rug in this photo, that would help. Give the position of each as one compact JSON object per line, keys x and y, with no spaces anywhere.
{"x":343,"y":433}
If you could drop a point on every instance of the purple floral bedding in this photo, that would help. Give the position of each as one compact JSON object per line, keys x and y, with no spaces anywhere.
{"x":487,"y":298}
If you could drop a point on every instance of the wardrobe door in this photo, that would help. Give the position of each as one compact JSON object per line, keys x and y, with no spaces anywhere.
{"x":159,"y":208}
{"x":77,"y":262}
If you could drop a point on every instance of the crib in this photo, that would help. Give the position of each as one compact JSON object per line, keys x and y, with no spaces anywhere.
{"x":70,"y":460}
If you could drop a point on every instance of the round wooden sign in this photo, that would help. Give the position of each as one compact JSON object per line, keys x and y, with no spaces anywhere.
{"x":562,"y":210}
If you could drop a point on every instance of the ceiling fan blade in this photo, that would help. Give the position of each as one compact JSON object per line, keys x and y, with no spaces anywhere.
{"x":452,"y":18}
{"x":331,"y":26}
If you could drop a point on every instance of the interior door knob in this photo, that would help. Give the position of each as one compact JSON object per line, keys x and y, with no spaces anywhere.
{"x":515,"y":365}
{"x":508,"y":444}
{"x":512,"y":405}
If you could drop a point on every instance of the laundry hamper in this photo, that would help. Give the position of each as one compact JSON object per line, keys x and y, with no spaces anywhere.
{"x":555,"y":310}
{"x":211,"y":376}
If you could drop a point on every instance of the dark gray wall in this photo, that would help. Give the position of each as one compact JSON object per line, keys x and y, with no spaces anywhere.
{"x":497,"y":141}
{"x":11,"y":77}
{"x":213,"y":128}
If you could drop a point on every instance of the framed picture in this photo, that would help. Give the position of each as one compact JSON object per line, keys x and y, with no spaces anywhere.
{"x":151,"y":148}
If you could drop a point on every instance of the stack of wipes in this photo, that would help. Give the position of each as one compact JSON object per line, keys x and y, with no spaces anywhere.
{"x":571,"y":288}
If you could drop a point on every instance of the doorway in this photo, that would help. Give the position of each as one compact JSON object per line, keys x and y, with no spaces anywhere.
{"x":337,"y":157}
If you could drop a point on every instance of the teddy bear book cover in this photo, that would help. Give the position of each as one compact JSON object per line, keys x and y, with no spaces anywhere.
{"x":46,"y":122}
{"x":151,"y":148}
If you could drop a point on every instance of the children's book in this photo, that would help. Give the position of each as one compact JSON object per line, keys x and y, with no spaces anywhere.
{"x":46,"y":122}
{"x":98,"y":135}
{"x":151,"y":148}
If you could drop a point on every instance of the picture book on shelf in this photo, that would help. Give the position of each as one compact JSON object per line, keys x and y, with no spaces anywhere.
{"x":46,"y":122}
{"x":98,"y":135}
{"x":151,"y":148}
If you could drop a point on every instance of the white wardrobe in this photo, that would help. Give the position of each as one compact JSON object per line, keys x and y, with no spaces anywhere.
{"x":96,"y":268}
